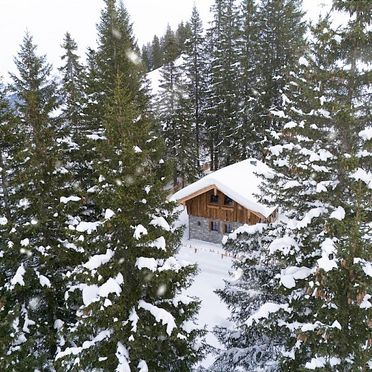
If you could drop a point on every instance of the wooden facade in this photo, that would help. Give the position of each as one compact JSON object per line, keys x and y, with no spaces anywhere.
{"x":211,"y":203}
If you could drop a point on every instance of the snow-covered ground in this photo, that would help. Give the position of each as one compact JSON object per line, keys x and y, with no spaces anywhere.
{"x":214,"y":266}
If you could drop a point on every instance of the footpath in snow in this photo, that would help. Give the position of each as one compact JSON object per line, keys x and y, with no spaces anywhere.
{"x":214,"y":266}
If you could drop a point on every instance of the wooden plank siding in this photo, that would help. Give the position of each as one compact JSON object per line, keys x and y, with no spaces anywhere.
{"x":201,"y":206}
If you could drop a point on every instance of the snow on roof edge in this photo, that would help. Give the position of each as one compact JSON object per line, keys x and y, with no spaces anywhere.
{"x":225,"y":184}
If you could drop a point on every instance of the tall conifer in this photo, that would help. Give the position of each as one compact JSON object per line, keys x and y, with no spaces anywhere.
{"x":195,"y":71}
{"x":8,"y":146}
{"x":248,"y":122}
{"x":171,"y":86}
{"x":223,"y":96}
{"x":321,"y":243}
{"x":281,"y":41}
{"x":71,"y":72}
{"x":157,"y":54}
{"x":36,"y":250}
{"x":132,"y":313}
{"x":72,"y":92}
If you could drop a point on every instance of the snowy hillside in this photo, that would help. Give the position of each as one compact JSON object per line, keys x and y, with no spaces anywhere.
{"x":154,"y":77}
{"x":213,"y":266}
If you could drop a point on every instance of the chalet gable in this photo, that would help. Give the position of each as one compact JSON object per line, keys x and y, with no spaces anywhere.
{"x":240,"y":182}
{"x":213,"y":203}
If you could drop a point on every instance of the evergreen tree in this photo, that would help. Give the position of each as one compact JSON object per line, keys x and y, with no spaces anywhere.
{"x":117,"y":51}
{"x":147,"y":57}
{"x":187,"y":151}
{"x":173,"y":111}
{"x":183,"y":33}
{"x":132,"y":311}
{"x":321,"y":243}
{"x":89,"y":133}
{"x":71,"y":85}
{"x":343,"y":282}
{"x":169,"y":46}
{"x":246,"y":347}
{"x":157,"y":53}
{"x":280,"y":44}
{"x":8,"y":151}
{"x":92,"y":112}
{"x":248,"y":121}
{"x":136,"y":277}
{"x":8,"y":146}
{"x":223,"y":97}
{"x":36,"y":248}
{"x":72,"y":108}
{"x":194,"y":67}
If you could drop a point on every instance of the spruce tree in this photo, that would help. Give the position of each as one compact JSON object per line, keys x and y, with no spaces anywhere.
{"x":170,"y":46}
{"x":321,"y":243}
{"x":72,"y":73}
{"x":281,"y":41}
{"x":157,"y":53}
{"x":146,"y":55}
{"x":117,"y":51}
{"x":245,"y":347}
{"x":343,"y":278}
{"x":132,"y":313}
{"x":280,"y":256}
{"x":135,"y":286}
{"x":195,"y":71}
{"x":37,"y":253}
{"x":72,"y":94}
{"x":183,"y":33}
{"x":187,"y":152}
{"x":223,"y":97}
{"x":8,"y":146}
{"x":92,"y":112}
{"x":173,"y":108}
{"x":248,"y":121}
{"x":9,"y":142}
{"x":87,"y":133}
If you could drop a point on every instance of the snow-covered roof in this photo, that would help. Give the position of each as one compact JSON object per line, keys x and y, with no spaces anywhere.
{"x":239,"y":181}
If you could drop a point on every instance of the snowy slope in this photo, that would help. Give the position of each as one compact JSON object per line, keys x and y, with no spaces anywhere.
{"x":154,"y":80}
{"x":213,"y":269}
{"x":154,"y":77}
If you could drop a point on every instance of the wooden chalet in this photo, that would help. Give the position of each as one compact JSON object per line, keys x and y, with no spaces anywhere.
{"x":223,"y":200}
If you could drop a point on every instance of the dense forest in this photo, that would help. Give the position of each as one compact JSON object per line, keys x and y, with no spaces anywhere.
{"x":89,"y":278}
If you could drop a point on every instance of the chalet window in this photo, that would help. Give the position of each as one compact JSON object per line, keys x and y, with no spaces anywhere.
{"x":215,"y":226}
{"x":213,"y":199}
{"x":227,"y":201}
{"x":228,"y":228}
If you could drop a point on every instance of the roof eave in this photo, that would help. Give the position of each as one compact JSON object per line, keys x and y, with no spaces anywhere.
{"x":213,"y":186}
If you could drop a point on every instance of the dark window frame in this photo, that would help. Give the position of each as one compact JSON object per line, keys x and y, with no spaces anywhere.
{"x":214,"y":226}
{"x":229,"y":228}
{"x":228,"y":201}
{"x":211,"y":197}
